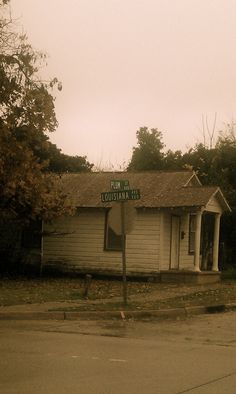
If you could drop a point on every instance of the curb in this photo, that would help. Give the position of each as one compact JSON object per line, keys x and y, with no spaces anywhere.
{"x":120,"y":315}
{"x":32,"y":315}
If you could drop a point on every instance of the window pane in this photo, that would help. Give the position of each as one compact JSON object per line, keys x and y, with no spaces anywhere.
{"x":114,"y":241}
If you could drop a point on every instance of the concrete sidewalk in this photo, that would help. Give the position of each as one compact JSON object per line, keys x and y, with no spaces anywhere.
{"x":142,"y":305}
{"x":59,"y":311}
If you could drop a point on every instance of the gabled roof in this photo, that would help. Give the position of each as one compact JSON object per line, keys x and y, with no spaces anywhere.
{"x":158,"y":189}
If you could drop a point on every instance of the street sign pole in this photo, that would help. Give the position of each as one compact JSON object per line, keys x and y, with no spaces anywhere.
{"x":121,"y":192}
{"x":123,"y":252}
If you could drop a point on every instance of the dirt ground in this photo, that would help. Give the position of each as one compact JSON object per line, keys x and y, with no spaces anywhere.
{"x":107,"y":294}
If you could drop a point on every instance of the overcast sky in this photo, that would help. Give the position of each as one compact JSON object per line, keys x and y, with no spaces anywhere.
{"x":131,"y":63}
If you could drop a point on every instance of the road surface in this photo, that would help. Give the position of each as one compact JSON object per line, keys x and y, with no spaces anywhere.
{"x":195,"y":356}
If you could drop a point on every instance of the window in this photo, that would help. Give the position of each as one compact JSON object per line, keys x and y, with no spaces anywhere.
{"x":112,"y":240}
{"x":192,"y":230}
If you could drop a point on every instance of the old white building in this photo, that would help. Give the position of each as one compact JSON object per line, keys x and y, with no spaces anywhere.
{"x":175,"y":230}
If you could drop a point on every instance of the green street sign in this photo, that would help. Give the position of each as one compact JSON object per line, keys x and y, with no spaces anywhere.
{"x":119,"y":184}
{"x":122,"y":195}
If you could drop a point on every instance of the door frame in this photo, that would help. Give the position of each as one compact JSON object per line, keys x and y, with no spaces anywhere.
{"x":175,"y":236}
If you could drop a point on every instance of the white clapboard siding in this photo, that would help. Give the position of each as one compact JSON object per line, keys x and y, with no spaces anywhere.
{"x":143,"y":244}
{"x":165,"y":241}
{"x":77,"y":242}
{"x":214,"y":205}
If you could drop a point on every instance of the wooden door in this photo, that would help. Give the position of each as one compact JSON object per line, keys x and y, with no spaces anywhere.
{"x":174,"y":247}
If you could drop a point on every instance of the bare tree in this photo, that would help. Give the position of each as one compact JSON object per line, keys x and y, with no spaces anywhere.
{"x":208,"y":132}
{"x":229,"y":131}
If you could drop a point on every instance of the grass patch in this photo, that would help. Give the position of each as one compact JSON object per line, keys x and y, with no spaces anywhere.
{"x":30,"y":291}
{"x":107,"y":294}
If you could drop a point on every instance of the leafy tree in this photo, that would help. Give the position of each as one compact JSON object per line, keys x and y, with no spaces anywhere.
{"x":203,"y":161}
{"x":27,"y":112}
{"x":26,"y":192}
{"x":173,"y":160}
{"x":226,"y":167}
{"x":226,"y":177}
{"x":66,"y":163}
{"x":148,"y":154}
{"x":59,"y":162}
{"x":25,"y":100}
{"x":217,"y":166}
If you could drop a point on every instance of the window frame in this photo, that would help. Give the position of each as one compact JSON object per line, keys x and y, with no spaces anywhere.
{"x":109,"y":235}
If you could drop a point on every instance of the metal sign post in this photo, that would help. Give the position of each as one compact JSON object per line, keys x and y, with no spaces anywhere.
{"x":123,"y":252}
{"x":121,"y":193}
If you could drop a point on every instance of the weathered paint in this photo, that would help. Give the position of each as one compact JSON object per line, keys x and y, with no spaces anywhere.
{"x":143,"y":244}
{"x":78,"y":242}
{"x":165,"y":238}
{"x":214,"y":205}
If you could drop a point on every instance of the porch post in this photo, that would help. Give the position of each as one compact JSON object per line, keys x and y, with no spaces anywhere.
{"x":197,"y":241}
{"x":216,"y":242}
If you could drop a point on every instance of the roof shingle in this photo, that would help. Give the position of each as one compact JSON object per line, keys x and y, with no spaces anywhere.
{"x":158,"y":189}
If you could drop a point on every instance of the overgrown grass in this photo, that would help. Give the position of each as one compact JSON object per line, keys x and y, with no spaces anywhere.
{"x":29,"y":291}
{"x":107,"y":294}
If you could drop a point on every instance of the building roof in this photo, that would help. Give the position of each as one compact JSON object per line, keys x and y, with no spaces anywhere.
{"x":158,"y":189}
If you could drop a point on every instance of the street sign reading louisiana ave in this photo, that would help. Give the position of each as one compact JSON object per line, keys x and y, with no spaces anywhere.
{"x":120,"y":192}
{"x":123,"y":195}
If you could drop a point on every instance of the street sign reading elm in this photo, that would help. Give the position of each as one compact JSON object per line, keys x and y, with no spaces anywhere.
{"x":123,"y":195}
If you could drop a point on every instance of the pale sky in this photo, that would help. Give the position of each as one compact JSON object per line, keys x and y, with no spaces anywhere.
{"x":131,"y":63}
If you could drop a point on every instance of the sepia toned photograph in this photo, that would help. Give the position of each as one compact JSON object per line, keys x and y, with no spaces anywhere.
{"x":117,"y":196}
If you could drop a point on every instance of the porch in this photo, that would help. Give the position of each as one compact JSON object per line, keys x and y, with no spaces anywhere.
{"x":187,"y":276}
{"x":198,"y":238}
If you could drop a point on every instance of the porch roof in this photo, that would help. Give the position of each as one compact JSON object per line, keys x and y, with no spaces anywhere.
{"x":158,"y":189}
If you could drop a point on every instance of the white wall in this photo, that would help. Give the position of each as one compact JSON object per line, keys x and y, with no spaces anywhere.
{"x":78,"y":243}
{"x":143,"y":244}
{"x":165,"y":240}
{"x":214,"y":205}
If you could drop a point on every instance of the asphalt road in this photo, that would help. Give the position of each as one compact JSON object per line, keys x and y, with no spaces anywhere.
{"x":193,"y":356}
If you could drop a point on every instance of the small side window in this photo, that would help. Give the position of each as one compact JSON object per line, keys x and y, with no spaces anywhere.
{"x":192,"y":230}
{"x":112,"y":240}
